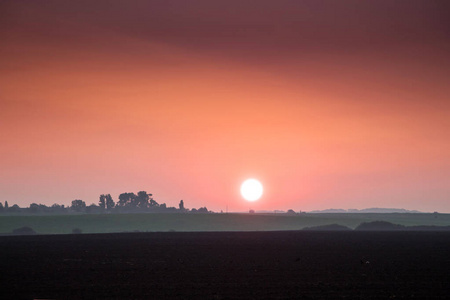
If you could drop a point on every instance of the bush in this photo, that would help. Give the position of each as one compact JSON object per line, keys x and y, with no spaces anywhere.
{"x":77,"y":231}
{"x":379,"y":225}
{"x":24,"y":231}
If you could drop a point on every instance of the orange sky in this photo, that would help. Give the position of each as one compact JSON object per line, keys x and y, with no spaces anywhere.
{"x":330,"y":104}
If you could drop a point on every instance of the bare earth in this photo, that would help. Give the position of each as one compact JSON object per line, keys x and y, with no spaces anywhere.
{"x":227,"y":265}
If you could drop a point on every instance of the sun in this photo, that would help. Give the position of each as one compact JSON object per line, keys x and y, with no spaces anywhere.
{"x":251,"y":189}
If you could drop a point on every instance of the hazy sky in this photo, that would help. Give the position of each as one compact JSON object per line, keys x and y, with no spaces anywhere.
{"x":330,"y":104}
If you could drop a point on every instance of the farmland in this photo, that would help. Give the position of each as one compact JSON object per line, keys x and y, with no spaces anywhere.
{"x":227,"y":265}
{"x":113,"y":223}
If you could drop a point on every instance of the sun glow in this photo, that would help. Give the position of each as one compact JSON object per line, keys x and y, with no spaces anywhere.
{"x":251,"y":189}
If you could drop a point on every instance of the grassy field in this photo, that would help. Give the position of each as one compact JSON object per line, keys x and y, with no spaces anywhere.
{"x":109,"y":223}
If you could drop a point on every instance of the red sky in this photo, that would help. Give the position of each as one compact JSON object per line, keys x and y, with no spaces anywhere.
{"x":330,"y":104}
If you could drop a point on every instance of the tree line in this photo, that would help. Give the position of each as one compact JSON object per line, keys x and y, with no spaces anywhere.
{"x":127,"y":202}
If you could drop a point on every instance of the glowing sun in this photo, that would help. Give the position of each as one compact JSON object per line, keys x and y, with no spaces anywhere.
{"x":251,"y":189}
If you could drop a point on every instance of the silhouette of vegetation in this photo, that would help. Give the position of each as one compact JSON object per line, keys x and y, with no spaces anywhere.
{"x":24,"y":231}
{"x":181,"y":205}
{"x":202,"y":210}
{"x":379,"y":226}
{"x":127,"y":203}
{"x":93,"y":209}
{"x":78,"y":205}
{"x":127,"y":200}
{"x":14,"y":209}
{"x":106,"y":202}
{"x":77,"y":231}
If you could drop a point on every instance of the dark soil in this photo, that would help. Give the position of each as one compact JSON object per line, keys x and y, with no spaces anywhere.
{"x":225,"y":265}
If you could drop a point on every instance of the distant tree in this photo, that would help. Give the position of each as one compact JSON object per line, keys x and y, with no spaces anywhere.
{"x":1,"y":207}
{"x":57,"y":208}
{"x":109,"y":202}
{"x":14,"y":208}
{"x":34,"y":208}
{"x":202,"y":210}
{"x":291,"y":212}
{"x":171,"y":209}
{"x":43,"y":208}
{"x":102,"y":201}
{"x":142,"y":199}
{"x":127,"y":200}
{"x":6,"y":205}
{"x":93,"y":209}
{"x":106,"y":202}
{"x":251,"y":211}
{"x":163,"y":206}
{"x":181,"y":205}
{"x":78,"y":205}
{"x":153,"y":203}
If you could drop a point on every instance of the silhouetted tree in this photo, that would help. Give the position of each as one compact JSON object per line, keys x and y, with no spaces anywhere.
{"x":109,"y":202}
{"x":106,"y":202}
{"x":163,"y":206}
{"x":1,"y":207}
{"x":14,"y":208}
{"x":181,"y":205}
{"x":142,"y":199}
{"x":78,"y":205}
{"x":102,"y":201}
{"x":93,"y":208}
{"x":203,"y":210}
{"x":127,"y":200}
{"x":57,"y":208}
{"x":43,"y":208}
{"x":6,"y":205}
{"x":34,"y":208}
{"x":153,"y":203}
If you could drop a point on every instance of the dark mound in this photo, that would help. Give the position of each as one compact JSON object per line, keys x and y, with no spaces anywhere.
{"x":24,"y":231}
{"x":379,"y":226}
{"x":330,"y":227}
{"x":77,"y":231}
